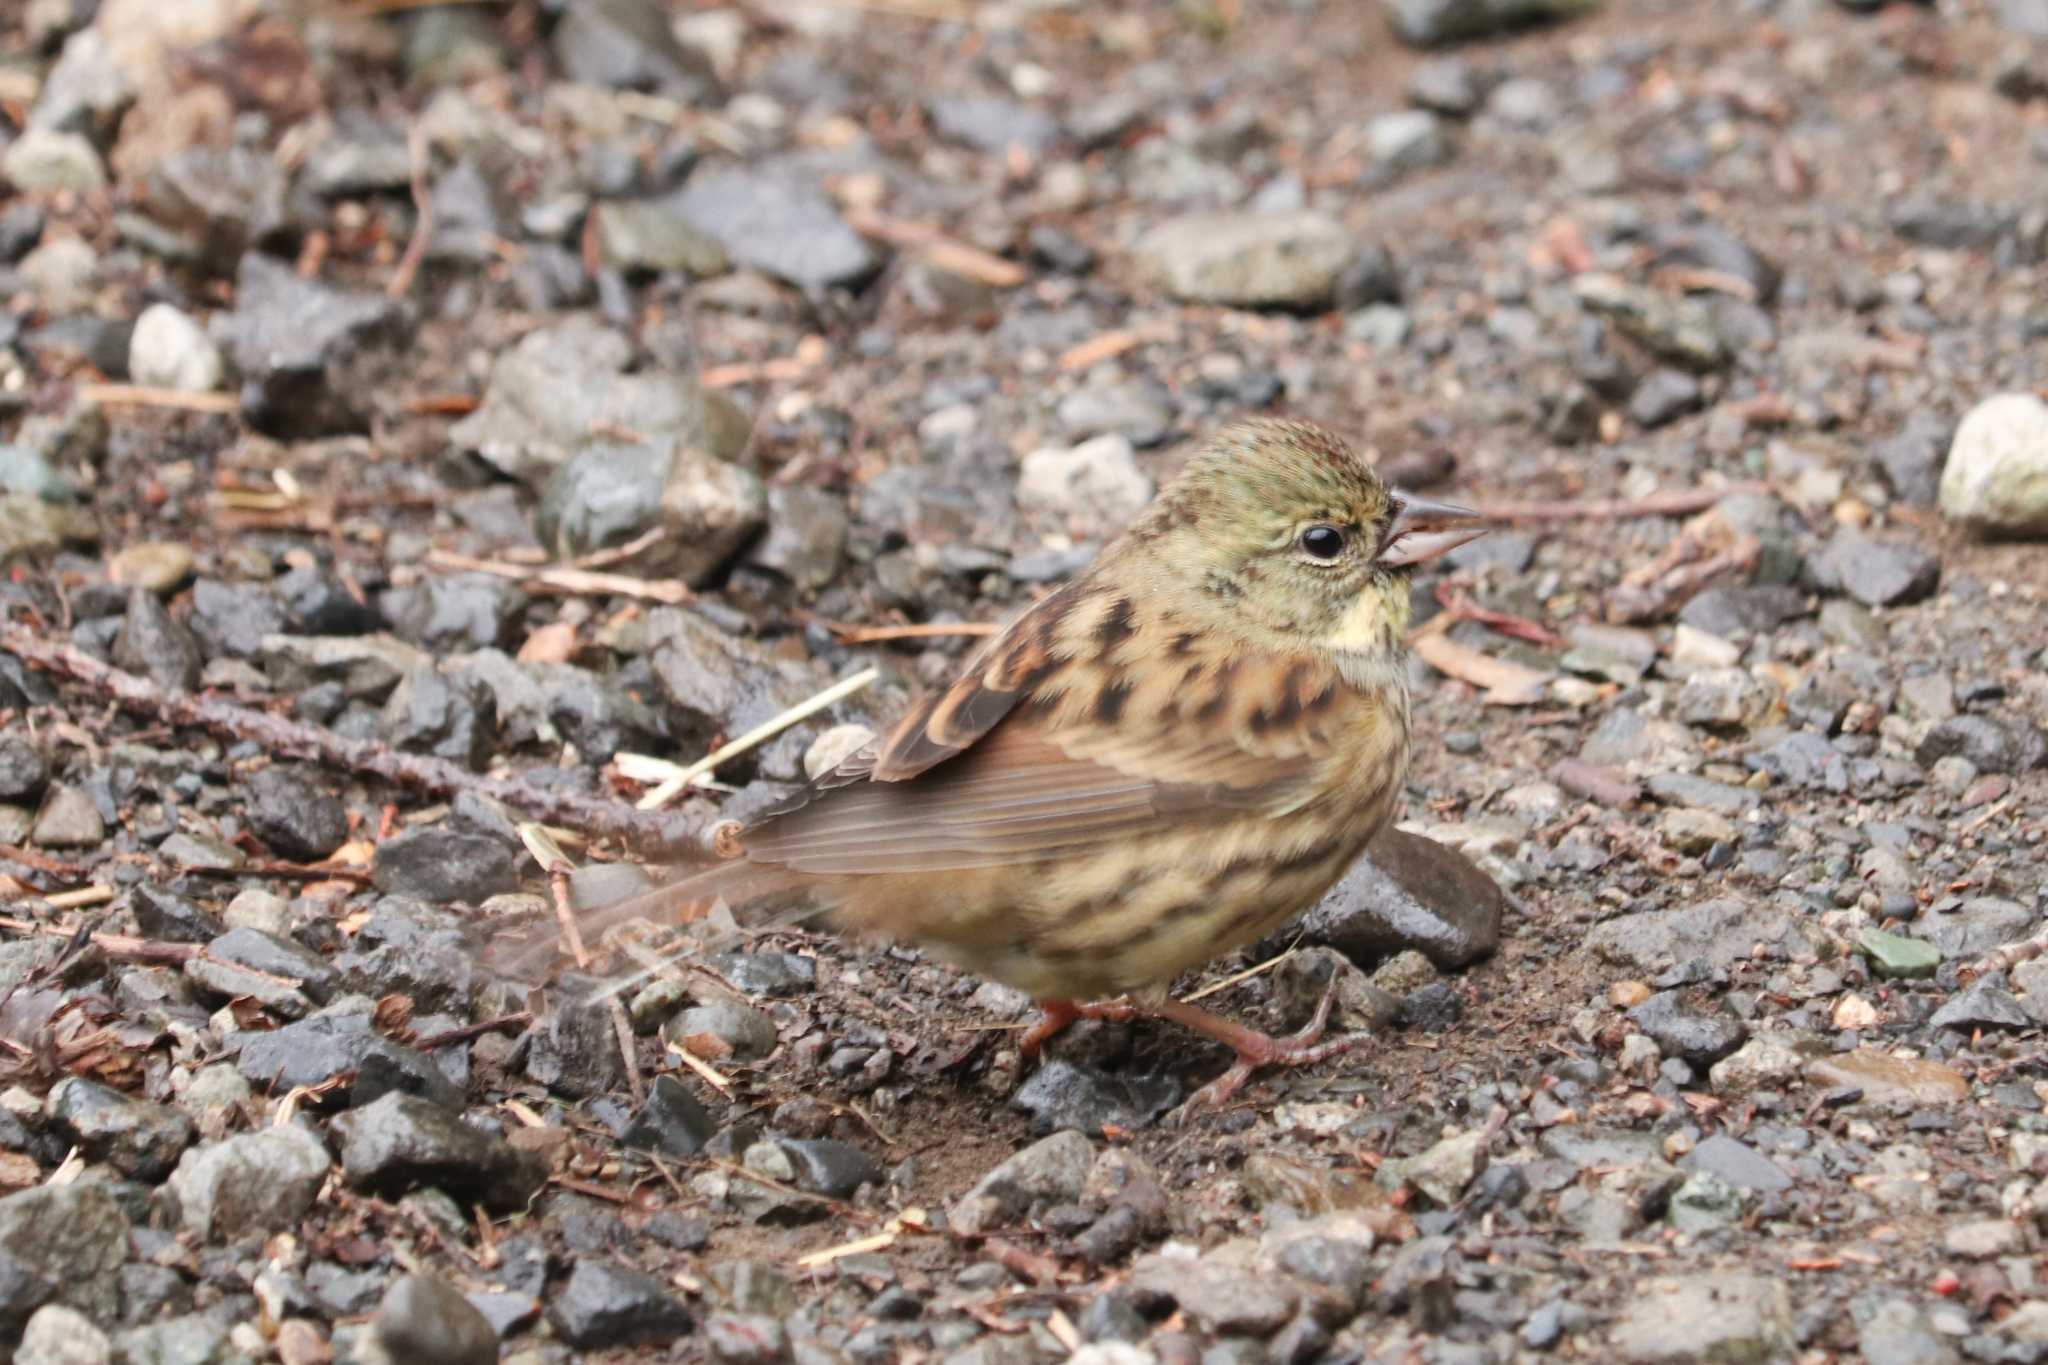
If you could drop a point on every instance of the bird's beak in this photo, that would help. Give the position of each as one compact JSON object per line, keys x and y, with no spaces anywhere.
{"x":1422,"y":530}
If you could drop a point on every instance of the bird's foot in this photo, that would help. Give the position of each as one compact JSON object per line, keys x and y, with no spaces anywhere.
{"x":1055,"y":1015}
{"x":1254,"y":1049}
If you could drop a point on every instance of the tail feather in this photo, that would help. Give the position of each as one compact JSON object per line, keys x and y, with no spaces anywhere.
{"x":757,"y":898}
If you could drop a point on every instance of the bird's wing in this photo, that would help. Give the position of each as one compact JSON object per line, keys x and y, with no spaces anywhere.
{"x":1060,"y":735}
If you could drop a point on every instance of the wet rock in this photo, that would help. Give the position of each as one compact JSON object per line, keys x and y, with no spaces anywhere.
{"x":1885,"y":1079}
{"x":1719,"y":932}
{"x":776,"y":220}
{"x":1247,"y":260}
{"x":2008,"y":746}
{"x":1803,"y":760}
{"x":1705,"y":1317}
{"x":300,"y":347}
{"x":235,"y":619}
{"x":1052,"y":1170}
{"x":425,"y":1318}
{"x":1407,"y":891}
{"x":257,"y":1181}
{"x":168,"y":350}
{"x":401,"y":1143}
{"x":159,"y":914}
{"x":609,"y":493}
{"x":575,"y":1047}
{"x":311,"y":1052}
{"x":154,"y":646}
{"x":1897,"y":1332}
{"x":66,"y":1244}
{"x":1701,"y":1035}
{"x":68,"y":819}
{"x":442,"y":865}
{"x":548,"y":394}
{"x":1060,"y":1095}
{"x":291,"y":813}
{"x":1431,"y":23}
{"x":610,"y":1305}
{"x":1097,"y":482}
{"x":1996,"y":478}
{"x":23,"y":769}
{"x":1877,"y":573}
{"x":672,"y":1122}
{"x":1218,"y":1297}
{"x":135,"y":1137}
{"x":409,"y":949}
{"x":448,"y":715}
{"x":629,"y":44}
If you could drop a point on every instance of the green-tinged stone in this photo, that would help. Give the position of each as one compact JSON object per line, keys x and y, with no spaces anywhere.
{"x":1895,"y":955}
{"x":202,"y":850}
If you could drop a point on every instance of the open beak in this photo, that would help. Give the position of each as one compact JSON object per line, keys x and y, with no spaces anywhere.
{"x":1423,"y":530}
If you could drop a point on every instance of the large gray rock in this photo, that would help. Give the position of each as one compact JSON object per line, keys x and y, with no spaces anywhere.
{"x":778,"y":221}
{"x":1706,"y":1317}
{"x":309,"y":353}
{"x":1248,"y":260}
{"x":1430,"y":23}
{"x":252,"y":1182}
{"x":1720,"y":932}
{"x":74,"y":1239}
{"x":1407,"y":891}
{"x":562,"y":386}
{"x":1996,"y":479}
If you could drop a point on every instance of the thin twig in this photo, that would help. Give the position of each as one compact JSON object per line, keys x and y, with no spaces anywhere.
{"x":1227,"y":982}
{"x":423,"y":224}
{"x":1677,"y":503}
{"x":650,"y":832}
{"x":116,"y":945}
{"x":145,"y":396}
{"x":766,"y":730}
{"x":449,"y":1037}
{"x":933,"y":630}
{"x":565,"y":578}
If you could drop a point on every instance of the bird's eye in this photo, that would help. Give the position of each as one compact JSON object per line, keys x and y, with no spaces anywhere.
{"x":1322,"y":542}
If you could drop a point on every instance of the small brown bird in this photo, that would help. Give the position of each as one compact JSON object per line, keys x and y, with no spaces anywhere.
{"x":1162,"y":761}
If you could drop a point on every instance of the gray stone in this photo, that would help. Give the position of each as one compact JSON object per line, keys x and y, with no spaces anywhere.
{"x":290,"y":810}
{"x":1049,"y":1171}
{"x":153,"y":646}
{"x":629,"y":44}
{"x":1248,"y":260}
{"x":1996,"y":478}
{"x":1706,"y":1317}
{"x":424,"y":1318}
{"x":135,"y":1137}
{"x":1407,"y":891}
{"x":1877,"y":573}
{"x":401,"y":1143}
{"x":806,"y":540}
{"x":1061,"y":1095}
{"x":1976,"y":927}
{"x":85,"y":90}
{"x":1738,"y":1163}
{"x":1682,"y":331}
{"x":649,"y":235}
{"x":195,"y":1339}
{"x":1097,"y":482}
{"x":1898,"y":1332}
{"x":1998,"y":746}
{"x":548,"y":394}
{"x":1912,"y":457}
{"x":252,"y":1182}
{"x":444,"y":866}
{"x":1983,"y":1004}
{"x":777,"y":220}
{"x":610,"y":1305}
{"x":609,"y":493}
{"x":1721,"y":932}
{"x":305,"y":350}
{"x":68,"y":819}
{"x":1407,"y":140}
{"x":1700,"y":1034}
{"x":73,"y":1237}
{"x":993,"y":124}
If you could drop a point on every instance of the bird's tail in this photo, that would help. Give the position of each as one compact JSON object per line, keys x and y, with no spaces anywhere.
{"x":726,"y":900}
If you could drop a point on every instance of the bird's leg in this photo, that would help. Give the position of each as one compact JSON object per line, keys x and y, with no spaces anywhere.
{"x":1055,"y":1015}
{"x":1253,"y":1048}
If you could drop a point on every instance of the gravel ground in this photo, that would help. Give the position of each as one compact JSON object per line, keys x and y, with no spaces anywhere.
{"x":1704,"y":992}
